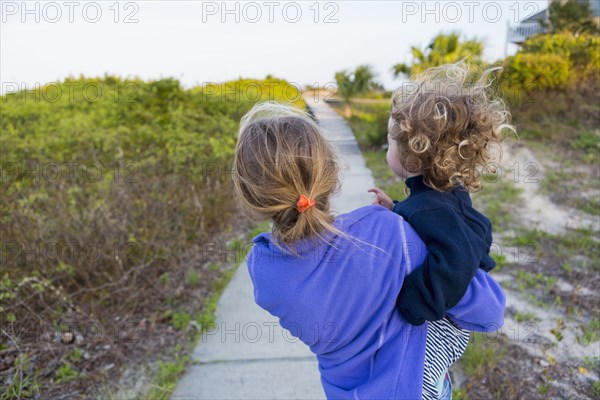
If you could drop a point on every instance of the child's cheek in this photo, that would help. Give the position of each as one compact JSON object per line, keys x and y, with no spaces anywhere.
{"x":389,"y":157}
{"x":391,"y":161}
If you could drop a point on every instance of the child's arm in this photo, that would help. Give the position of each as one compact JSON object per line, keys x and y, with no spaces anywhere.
{"x":453,"y":259}
{"x":487,"y":262}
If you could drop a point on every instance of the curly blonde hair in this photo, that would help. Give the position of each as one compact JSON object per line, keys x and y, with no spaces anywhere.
{"x":445,"y":127}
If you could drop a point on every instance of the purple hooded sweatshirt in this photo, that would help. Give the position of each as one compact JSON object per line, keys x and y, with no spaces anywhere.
{"x":339,"y":299}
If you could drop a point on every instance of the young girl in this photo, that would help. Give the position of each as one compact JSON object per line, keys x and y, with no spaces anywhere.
{"x":440,"y":135}
{"x":333,"y":281}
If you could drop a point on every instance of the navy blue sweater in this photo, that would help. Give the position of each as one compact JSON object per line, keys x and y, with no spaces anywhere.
{"x":458,"y":240}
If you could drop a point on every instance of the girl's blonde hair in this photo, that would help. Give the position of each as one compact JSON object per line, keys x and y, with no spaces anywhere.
{"x":281,"y":155}
{"x":445,"y":127}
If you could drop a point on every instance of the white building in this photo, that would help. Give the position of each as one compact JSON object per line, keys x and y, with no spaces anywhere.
{"x":530,"y":26}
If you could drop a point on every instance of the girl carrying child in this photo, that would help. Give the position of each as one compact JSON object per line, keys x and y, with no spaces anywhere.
{"x":333,"y":281}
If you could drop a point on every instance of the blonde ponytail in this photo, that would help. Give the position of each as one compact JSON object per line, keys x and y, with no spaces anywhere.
{"x":280,"y":156}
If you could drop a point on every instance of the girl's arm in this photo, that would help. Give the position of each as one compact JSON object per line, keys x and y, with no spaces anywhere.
{"x":481,"y":309}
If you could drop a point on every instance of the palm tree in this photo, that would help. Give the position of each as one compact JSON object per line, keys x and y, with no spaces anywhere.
{"x":443,"y":49}
{"x":351,"y":84}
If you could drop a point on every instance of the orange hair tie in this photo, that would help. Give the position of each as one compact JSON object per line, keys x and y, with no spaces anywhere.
{"x":304,"y":203}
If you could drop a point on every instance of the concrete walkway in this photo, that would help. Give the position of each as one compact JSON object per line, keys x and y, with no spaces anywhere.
{"x":248,"y":355}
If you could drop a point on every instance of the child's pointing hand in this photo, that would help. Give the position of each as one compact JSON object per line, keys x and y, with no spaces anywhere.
{"x":381,"y":198}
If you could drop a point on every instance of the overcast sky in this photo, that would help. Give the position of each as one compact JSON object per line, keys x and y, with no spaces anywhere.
{"x":196,"y":42}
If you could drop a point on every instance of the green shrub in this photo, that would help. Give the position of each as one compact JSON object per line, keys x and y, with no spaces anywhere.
{"x":551,"y":62}
{"x":369,"y":122}
{"x":581,"y":51}
{"x":526,"y":73}
{"x":105,"y":186}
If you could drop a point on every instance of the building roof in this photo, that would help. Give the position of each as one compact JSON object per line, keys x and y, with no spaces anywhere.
{"x":537,"y":16}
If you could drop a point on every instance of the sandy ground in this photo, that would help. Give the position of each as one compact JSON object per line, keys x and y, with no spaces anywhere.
{"x":546,"y":350}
